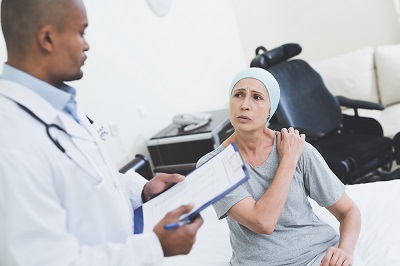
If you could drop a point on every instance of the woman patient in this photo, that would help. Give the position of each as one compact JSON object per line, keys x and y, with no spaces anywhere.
{"x":270,"y":219}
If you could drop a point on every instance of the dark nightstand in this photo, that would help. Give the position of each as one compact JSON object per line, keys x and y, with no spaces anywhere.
{"x":173,"y":146}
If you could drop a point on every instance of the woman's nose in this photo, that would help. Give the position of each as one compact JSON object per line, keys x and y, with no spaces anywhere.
{"x":245,"y":104}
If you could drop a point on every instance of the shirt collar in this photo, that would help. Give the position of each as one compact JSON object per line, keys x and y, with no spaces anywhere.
{"x":57,"y":97}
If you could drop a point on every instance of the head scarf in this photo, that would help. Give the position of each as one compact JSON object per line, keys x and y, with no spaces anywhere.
{"x":265,"y":78}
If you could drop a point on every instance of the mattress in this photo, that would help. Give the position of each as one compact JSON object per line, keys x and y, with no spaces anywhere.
{"x":378,"y":244}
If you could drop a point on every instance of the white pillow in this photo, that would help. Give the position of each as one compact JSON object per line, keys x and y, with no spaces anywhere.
{"x":351,"y":75}
{"x":387,"y":60}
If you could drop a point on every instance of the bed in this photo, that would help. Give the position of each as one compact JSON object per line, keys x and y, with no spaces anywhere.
{"x":378,"y":244}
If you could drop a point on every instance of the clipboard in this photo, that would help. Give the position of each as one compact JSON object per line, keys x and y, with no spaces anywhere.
{"x":203,"y":186}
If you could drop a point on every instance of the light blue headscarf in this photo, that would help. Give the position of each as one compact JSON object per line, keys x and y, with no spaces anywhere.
{"x":265,"y":78}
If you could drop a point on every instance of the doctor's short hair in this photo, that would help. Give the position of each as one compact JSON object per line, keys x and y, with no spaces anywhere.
{"x":20,"y":19}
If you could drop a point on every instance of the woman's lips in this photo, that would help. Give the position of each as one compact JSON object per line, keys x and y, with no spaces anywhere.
{"x":243,"y":118}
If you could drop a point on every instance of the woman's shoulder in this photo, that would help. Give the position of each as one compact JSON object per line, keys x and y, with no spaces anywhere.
{"x":308,"y":147}
{"x":310,"y":152}
{"x":209,"y":155}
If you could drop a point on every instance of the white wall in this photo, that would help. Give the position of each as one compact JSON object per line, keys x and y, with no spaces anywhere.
{"x":142,"y":69}
{"x":322,"y":28}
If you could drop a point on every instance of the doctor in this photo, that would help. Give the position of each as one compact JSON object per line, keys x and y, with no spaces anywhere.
{"x":62,"y":200}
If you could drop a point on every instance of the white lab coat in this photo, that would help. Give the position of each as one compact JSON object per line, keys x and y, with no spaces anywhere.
{"x":52,"y":212}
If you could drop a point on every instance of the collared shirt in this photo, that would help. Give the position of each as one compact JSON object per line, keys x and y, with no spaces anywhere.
{"x":62,"y":99}
{"x":48,"y":197}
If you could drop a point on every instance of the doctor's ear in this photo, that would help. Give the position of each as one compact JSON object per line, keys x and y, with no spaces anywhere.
{"x":44,"y":38}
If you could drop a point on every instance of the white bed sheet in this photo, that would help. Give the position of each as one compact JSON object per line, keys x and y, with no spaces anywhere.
{"x":378,"y":244}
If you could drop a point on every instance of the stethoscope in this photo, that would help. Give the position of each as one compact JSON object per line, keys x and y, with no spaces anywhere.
{"x":55,"y":141}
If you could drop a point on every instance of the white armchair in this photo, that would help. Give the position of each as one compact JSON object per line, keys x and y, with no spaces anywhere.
{"x":369,"y":74}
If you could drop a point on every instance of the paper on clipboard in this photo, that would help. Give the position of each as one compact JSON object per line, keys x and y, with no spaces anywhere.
{"x":202,"y":187}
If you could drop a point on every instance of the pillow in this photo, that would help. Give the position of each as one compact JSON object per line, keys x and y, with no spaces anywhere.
{"x":351,"y":75}
{"x":387,"y":60}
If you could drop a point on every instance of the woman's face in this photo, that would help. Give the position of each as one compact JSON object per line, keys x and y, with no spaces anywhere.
{"x":249,"y":105}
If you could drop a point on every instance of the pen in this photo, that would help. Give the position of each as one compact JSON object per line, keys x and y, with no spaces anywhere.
{"x":173,"y":226}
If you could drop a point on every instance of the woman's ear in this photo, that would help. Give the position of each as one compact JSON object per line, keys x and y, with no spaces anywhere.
{"x":44,"y":37}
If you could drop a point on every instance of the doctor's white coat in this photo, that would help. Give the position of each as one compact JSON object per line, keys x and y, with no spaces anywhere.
{"x":59,"y":211}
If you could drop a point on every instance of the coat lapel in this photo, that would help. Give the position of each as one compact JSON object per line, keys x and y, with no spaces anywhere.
{"x":43,"y":109}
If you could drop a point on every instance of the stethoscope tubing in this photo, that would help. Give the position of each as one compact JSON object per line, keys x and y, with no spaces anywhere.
{"x":60,"y":147}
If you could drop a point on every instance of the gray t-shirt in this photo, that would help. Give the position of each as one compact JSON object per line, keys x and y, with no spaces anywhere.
{"x":299,"y":235}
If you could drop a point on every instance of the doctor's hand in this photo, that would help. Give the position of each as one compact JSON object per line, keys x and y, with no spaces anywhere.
{"x":160,"y":183}
{"x":177,"y":241}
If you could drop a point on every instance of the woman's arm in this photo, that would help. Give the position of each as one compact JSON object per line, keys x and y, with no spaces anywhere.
{"x":262,"y":216}
{"x":347,"y":213}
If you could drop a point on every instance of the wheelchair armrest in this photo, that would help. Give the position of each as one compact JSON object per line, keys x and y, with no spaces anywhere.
{"x":139,"y":164}
{"x":355,"y":104}
{"x":310,"y":134}
{"x":362,"y":125}
{"x":182,"y":169}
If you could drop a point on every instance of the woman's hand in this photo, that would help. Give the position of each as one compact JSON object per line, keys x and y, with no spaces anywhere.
{"x":337,"y":256}
{"x":349,"y":217}
{"x":290,"y":143}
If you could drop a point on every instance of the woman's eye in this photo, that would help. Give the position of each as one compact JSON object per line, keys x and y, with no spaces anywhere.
{"x":238,"y":94}
{"x":257,"y":97}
